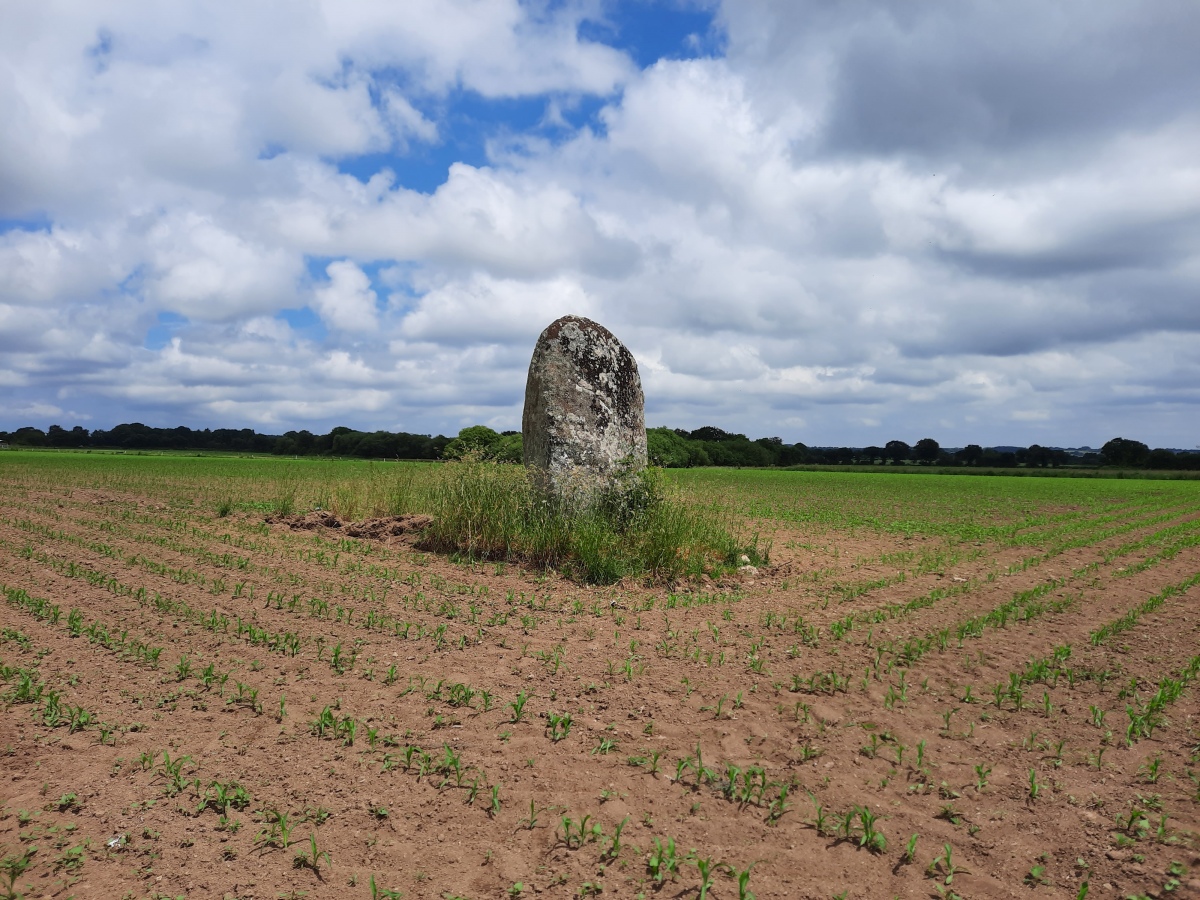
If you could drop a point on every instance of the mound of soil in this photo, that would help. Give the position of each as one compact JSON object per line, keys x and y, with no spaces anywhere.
{"x":408,"y":527}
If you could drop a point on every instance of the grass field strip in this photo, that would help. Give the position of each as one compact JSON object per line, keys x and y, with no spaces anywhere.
{"x":899,"y":609}
{"x":941,"y":559}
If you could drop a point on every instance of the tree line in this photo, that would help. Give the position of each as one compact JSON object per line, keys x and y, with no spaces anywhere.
{"x":667,"y":447}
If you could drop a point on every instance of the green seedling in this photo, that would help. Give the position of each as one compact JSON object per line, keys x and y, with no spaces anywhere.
{"x":382,"y":893}
{"x":707,"y":869}
{"x":1036,"y":876}
{"x":981,"y":776}
{"x":1151,"y":769}
{"x":943,"y":866}
{"x":662,"y":862}
{"x":311,"y":857}
{"x":871,"y":838}
{"x":534,"y":812}
{"x":518,"y":707}
{"x":560,"y":725}
{"x":910,"y":849}
{"x":13,"y":867}
{"x":576,"y":834}
{"x":820,"y":818}
{"x":606,"y":746}
{"x":777,"y":807}
{"x":277,"y":830}
{"x":743,"y":882}
{"x":614,"y":843}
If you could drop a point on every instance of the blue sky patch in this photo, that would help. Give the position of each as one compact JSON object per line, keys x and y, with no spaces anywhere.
{"x":160,"y":334}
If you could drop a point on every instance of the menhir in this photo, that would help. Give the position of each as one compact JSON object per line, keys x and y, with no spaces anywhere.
{"x":584,"y":422}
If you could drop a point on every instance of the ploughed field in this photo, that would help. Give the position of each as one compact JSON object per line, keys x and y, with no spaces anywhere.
{"x":938,"y":686}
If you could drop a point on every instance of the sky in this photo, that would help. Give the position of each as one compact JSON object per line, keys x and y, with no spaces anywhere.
{"x":836,"y":223}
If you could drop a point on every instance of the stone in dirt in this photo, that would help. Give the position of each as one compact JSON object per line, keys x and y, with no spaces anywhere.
{"x":407,"y":526}
{"x":584,"y":422}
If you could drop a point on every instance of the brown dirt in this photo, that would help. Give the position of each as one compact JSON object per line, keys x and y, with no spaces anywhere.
{"x":710,"y":666}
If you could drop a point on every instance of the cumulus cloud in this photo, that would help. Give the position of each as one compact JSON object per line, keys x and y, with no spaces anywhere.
{"x":347,"y":302}
{"x":845,"y":223}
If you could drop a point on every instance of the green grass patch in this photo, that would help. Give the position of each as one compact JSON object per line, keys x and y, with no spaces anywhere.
{"x":638,"y":526}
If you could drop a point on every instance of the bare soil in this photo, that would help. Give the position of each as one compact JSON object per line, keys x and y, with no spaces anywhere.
{"x":677,"y":696}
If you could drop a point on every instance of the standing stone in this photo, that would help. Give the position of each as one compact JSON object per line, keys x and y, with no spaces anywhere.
{"x":584,"y":422}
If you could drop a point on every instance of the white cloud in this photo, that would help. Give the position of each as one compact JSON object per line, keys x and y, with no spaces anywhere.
{"x":855,"y":224}
{"x":483,"y":310}
{"x":347,"y":302}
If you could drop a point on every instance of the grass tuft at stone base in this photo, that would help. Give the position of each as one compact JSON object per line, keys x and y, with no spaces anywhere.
{"x":632,"y":526}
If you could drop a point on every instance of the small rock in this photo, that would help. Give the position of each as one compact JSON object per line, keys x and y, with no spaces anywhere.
{"x":748,"y":570}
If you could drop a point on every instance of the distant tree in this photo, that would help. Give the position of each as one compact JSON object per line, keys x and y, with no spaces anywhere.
{"x":970,"y":455}
{"x":511,"y":448}
{"x":474,"y":439}
{"x":926,"y":451}
{"x":667,"y":448}
{"x":794,"y":454}
{"x":1123,"y":452}
{"x":1161,"y":458}
{"x":711,"y":433}
{"x":29,"y":437}
{"x":1040,"y":457}
{"x":998,"y":459}
{"x":870,"y":455}
{"x":897,"y":451}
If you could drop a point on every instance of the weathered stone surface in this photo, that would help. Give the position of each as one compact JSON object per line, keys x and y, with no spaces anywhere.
{"x":584,"y":420}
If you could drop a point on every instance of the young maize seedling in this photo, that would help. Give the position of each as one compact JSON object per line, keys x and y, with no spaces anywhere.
{"x":1034,"y":787}
{"x":872,"y":838}
{"x":311,"y":858}
{"x":1151,"y":769}
{"x":820,"y":818}
{"x":943,"y":866}
{"x":910,"y":849}
{"x":662,"y":862}
{"x":981,"y":776}
{"x":576,"y":834}
{"x":560,"y":725}
{"x":614,"y":844}
{"x":518,"y":706}
{"x":707,"y":868}
{"x":534,"y":812}
{"x":778,"y":807}
{"x":14,"y":867}
{"x":382,"y":893}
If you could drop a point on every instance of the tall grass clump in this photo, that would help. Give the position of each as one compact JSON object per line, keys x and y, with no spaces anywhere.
{"x":633,"y":525}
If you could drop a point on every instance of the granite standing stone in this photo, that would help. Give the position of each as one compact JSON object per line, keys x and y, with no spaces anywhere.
{"x":584,"y":422}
